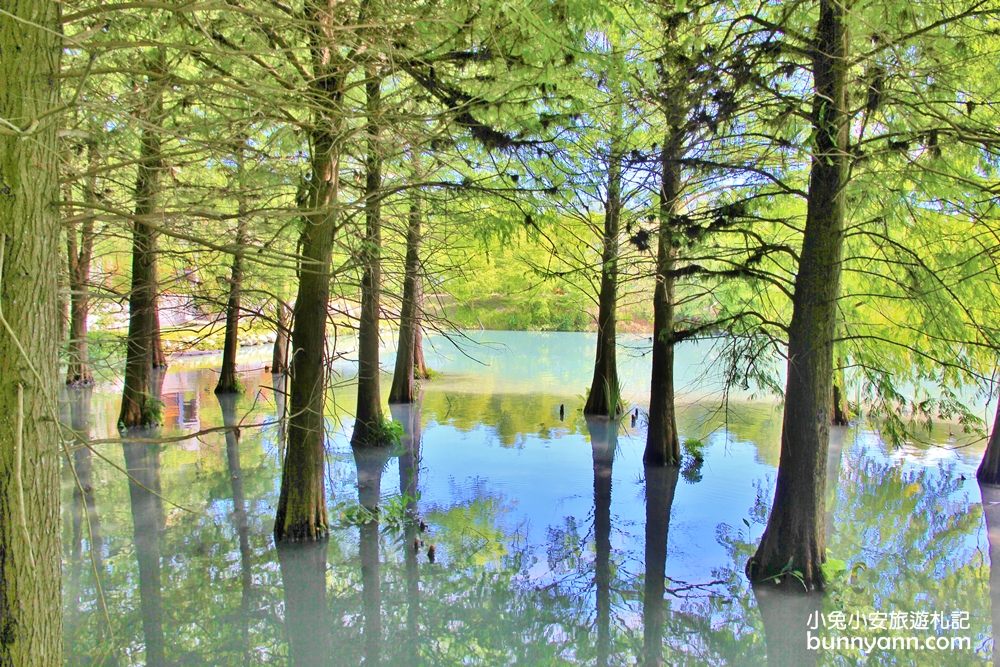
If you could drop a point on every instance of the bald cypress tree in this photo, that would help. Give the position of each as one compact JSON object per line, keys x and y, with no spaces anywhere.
{"x":30,"y":596}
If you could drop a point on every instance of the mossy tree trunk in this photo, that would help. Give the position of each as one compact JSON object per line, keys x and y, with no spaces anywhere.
{"x":229,"y":382}
{"x":143,"y":344}
{"x":80,"y":251}
{"x":301,"y":513}
{"x":989,"y":468}
{"x":603,"y":398}
{"x":30,"y":256}
{"x":368,"y":423}
{"x":795,"y":537}
{"x":662,"y":442}
{"x":403,"y":388}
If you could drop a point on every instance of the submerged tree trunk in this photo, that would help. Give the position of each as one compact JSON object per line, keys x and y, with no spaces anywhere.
{"x":142,"y":461}
{"x":279,"y":355}
{"x":368,"y":416}
{"x":403,"y":388}
{"x":603,"y":442}
{"x":662,"y":442}
{"x":661,"y":483}
{"x":795,"y":537}
{"x":80,"y":250}
{"x":143,"y":344}
{"x":229,"y":382}
{"x":30,"y":594}
{"x":301,"y":513}
{"x":989,"y":468}
{"x":603,"y":399}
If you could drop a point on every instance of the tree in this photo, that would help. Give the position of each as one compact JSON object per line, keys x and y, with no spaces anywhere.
{"x":794,"y":538}
{"x":30,"y":595}
{"x":409,"y":360}
{"x":144,"y":348}
{"x":228,"y":381}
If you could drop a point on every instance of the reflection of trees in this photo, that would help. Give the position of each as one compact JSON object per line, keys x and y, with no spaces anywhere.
{"x":991,"y":511}
{"x":603,"y":441}
{"x":227,"y":401}
{"x":370,"y":462}
{"x":408,"y":414}
{"x":661,"y":482}
{"x":142,"y":461}
{"x":511,"y":417}
{"x":303,"y":575}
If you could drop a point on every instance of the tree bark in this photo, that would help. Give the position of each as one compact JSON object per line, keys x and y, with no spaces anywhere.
{"x":80,"y":250}
{"x":403,"y":388}
{"x":603,"y":399}
{"x":368,"y":428}
{"x":989,"y":468}
{"x":30,"y":255}
{"x":420,"y":369}
{"x":229,"y":382}
{"x":301,"y":513}
{"x":795,"y":537}
{"x":661,"y":483}
{"x":143,"y":344}
{"x":662,"y":442}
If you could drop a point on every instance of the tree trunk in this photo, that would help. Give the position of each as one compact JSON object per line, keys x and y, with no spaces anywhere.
{"x":80,"y":251}
{"x":368,"y":428}
{"x":662,"y":442}
{"x":229,"y":382}
{"x":403,"y":388}
{"x":420,"y":370}
{"x":159,"y":358}
{"x":795,"y":537}
{"x":30,"y":255}
{"x":301,"y":513}
{"x":143,"y":344}
{"x":989,"y":469}
{"x":661,"y":483}
{"x":142,"y":461}
{"x":603,"y":400}
{"x":279,"y":355}
{"x":840,"y":412}
{"x":603,"y":441}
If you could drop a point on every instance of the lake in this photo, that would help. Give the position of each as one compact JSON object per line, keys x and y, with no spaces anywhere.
{"x":502,"y":532}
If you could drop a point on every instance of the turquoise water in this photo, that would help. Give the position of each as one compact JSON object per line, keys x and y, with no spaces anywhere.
{"x":551,"y":543}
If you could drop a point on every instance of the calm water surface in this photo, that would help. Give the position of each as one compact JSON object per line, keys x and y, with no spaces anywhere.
{"x":498,"y":533}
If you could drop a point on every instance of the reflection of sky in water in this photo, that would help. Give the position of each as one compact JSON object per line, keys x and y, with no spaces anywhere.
{"x":498,"y":463}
